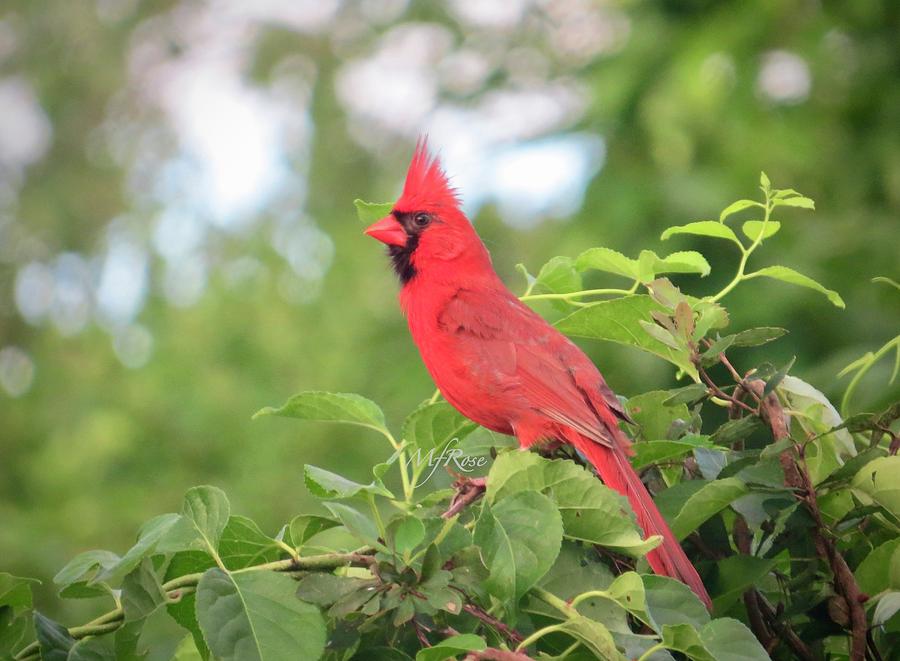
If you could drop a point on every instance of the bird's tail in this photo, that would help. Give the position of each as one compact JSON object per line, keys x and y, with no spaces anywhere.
{"x":616,"y":472}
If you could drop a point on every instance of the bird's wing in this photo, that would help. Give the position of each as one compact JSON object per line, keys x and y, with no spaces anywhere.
{"x":543,"y":366}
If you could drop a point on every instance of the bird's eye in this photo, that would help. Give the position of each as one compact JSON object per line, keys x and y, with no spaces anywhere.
{"x":421,"y":219}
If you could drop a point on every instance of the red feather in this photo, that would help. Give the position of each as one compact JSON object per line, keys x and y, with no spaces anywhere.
{"x":426,"y":186}
{"x":501,"y":364}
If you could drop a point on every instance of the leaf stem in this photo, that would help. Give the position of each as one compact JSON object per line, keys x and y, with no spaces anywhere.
{"x":651,"y":651}
{"x":109,"y":622}
{"x":579,"y":294}
{"x":408,"y":487}
{"x":559,"y":604}
{"x":537,"y":635}
{"x":745,"y":254}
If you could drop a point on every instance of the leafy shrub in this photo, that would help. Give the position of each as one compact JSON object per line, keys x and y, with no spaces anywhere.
{"x":790,"y":511}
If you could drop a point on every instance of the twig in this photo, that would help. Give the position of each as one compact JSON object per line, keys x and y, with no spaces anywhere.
{"x":797,"y":477}
{"x":174,"y":588}
{"x":420,"y":634}
{"x":468,"y":490}
{"x":508,"y":632}
{"x":494,"y":654}
{"x":716,"y":390}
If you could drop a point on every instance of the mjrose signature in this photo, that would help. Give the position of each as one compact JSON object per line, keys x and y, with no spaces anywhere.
{"x":451,"y":456}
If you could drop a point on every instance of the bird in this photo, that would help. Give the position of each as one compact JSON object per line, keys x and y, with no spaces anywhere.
{"x":496,"y":360}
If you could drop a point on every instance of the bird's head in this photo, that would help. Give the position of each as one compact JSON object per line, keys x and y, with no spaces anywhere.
{"x":426,"y":229}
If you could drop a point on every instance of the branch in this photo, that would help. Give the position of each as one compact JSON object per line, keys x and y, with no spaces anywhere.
{"x":797,"y":477}
{"x":468,"y":490}
{"x":493,"y":654}
{"x":508,"y":632}
{"x":175,"y":589}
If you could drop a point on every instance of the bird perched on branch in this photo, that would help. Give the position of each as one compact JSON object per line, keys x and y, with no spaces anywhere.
{"x":497,"y":361}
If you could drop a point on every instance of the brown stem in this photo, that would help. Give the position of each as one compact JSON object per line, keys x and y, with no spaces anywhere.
{"x":717,"y":391}
{"x":507,"y":631}
{"x":797,"y":477}
{"x":493,"y":654}
{"x":468,"y":490}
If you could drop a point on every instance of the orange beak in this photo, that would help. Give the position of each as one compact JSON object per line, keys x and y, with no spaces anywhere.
{"x":388,"y":231}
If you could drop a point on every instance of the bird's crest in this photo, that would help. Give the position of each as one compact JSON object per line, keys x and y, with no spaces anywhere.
{"x":426,"y":184}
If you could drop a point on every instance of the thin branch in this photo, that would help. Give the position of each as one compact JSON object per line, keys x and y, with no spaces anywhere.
{"x":797,"y":477}
{"x":174,"y":590}
{"x":507,"y":631}
{"x":493,"y":654}
{"x":468,"y":490}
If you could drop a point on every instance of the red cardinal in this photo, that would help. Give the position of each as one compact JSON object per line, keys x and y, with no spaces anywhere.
{"x":497,"y":361}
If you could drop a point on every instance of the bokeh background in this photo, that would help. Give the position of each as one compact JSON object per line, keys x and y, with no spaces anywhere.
{"x":178,"y":244}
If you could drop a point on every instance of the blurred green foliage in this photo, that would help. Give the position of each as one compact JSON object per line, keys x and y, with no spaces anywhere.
{"x":94,"y":447}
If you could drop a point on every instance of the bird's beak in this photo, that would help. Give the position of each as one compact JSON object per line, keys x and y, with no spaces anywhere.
{"x":388,"y":231}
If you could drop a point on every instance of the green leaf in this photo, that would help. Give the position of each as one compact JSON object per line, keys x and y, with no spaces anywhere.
{"x":15,"y":591}
{"x":778,"y":377}
{"x":685,"y":639}
{"x":360,"y":526}
{"x":709,"y":228}
{"x":800,"y":201}
{"x":877,"y":482}
{"x":452,"y":647}
{"x":664,"y":336}
{"x":712,"y":498}
{"x":84,"y":564}
{"x":325,"y":484}
{"x":142,"y":593}
{"x":558,"y":276}
{"x":654,"y":416}
{"x":791,"y":276}
{"x":685,"y":261}
{"x":736,"y":430}
{"x":305,"y":526}
{"x":168,"y":532}
{"x":686,"y":395}
{"x":529,"y":279}
{"x":187,"y":651}
{"x":593,"y":635}
{"x":408,"y":533}
{"x":434,"y":425}
{"x":735,"y":207}
{"x":324,"y":589}
{"x":53,"y":638}
{"x":590,"y":511}
{"x":608,"y":261}
{"x":753,"y":228}
{"x":764,"y":182}
{"x":734,"y":576}
{"x":720,"y":346}
{"x":255,"y":616}
{"x":94,"y":649}
{"x":618,"y":320}
{"x":519,"y":538}
{"x":671,"y":602}
{"x":576,"y":571}
{"x":483,"y":441}
{"x":888,"y":605}
{"x":208,"y":509}
{"x":647,"y":261}
{"x":183,"y":610}
{"x":369,"y":212}
{"x":330,"y":407}
{"x":730,"y":640}
{"x":756,"y":336}
{"x":243,"y":544}
{"x":652,"y":452}
{"x":880,"y":569}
